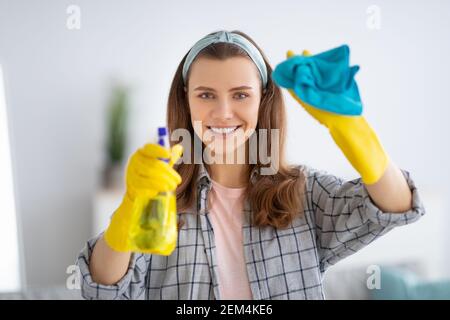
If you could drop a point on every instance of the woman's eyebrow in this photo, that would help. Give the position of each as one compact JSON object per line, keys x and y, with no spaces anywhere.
{"x":233,"y":89}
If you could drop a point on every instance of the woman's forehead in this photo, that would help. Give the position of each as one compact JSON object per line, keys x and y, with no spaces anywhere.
{"x":235,"y":71}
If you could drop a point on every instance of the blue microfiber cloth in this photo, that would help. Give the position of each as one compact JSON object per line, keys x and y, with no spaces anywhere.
{"x":324,"y":81}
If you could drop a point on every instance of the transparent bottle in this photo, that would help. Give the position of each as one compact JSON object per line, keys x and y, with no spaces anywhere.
{"x":155,"y":219}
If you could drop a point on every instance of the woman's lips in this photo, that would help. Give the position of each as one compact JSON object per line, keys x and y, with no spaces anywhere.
{"x":223,"y":132}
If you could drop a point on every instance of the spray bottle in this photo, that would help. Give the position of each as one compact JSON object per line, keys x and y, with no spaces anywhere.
{"x":155,"y":219}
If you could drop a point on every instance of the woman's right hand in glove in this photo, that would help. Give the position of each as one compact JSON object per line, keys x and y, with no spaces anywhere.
{"x":146,"y":175}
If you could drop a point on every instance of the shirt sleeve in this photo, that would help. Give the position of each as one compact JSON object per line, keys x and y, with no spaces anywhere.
{"x":346,"y":218}
{"x":131,"y":286}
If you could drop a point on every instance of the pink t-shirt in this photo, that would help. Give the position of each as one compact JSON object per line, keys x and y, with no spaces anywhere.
{"x":226,"y":219}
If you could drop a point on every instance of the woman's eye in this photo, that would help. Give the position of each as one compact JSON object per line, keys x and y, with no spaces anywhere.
{"x":241,"y":95}
{"x":205,"y":95}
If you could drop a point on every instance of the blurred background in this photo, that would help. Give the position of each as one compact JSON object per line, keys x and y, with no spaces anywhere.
{"x":86,"y":82}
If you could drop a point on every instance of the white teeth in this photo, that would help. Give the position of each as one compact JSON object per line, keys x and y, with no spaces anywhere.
{"x":222,"y":130}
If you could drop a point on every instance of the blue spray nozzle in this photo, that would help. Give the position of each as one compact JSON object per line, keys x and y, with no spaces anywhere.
{"x":162,"y":131}
{"x":162,"y":135}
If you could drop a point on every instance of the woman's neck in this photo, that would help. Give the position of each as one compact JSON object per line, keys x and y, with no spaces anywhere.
{"x":230,"y":175}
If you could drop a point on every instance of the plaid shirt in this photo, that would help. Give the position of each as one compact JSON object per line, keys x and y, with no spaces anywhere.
{"x":339,"y":219}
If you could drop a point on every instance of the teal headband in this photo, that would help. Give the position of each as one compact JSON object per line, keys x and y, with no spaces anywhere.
{"x":228,"y":37}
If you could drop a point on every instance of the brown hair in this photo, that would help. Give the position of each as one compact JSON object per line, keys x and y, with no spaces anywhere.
{"x":275,"y":199}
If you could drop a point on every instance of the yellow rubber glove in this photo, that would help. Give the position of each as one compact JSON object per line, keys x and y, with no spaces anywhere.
{"x":354,"y":137}
{"x":146,"y":176}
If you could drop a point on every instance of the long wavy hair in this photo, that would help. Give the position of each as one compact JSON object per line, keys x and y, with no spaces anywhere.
{"x":276,"y":199}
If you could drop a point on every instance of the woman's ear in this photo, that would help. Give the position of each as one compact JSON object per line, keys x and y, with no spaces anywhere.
{"x":185,"y":90}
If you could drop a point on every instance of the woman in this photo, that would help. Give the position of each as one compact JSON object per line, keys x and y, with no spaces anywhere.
{"x":248,"y":229}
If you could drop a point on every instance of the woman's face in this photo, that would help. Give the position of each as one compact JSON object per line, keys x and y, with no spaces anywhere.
{"x":224,"y":98}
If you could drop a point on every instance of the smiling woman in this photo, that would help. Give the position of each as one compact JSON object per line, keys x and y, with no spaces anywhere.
{"x":242,"y":99}
{"x":244,"y":234}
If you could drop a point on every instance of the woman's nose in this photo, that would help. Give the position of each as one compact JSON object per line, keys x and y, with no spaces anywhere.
{"x":223,"y":110}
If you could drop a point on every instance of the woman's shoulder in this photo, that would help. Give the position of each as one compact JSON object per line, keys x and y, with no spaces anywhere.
{"x":313,"y":172}
{"x":318,"y":177}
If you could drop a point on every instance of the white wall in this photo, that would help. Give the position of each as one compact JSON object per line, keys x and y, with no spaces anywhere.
{"x":58,"y":81}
